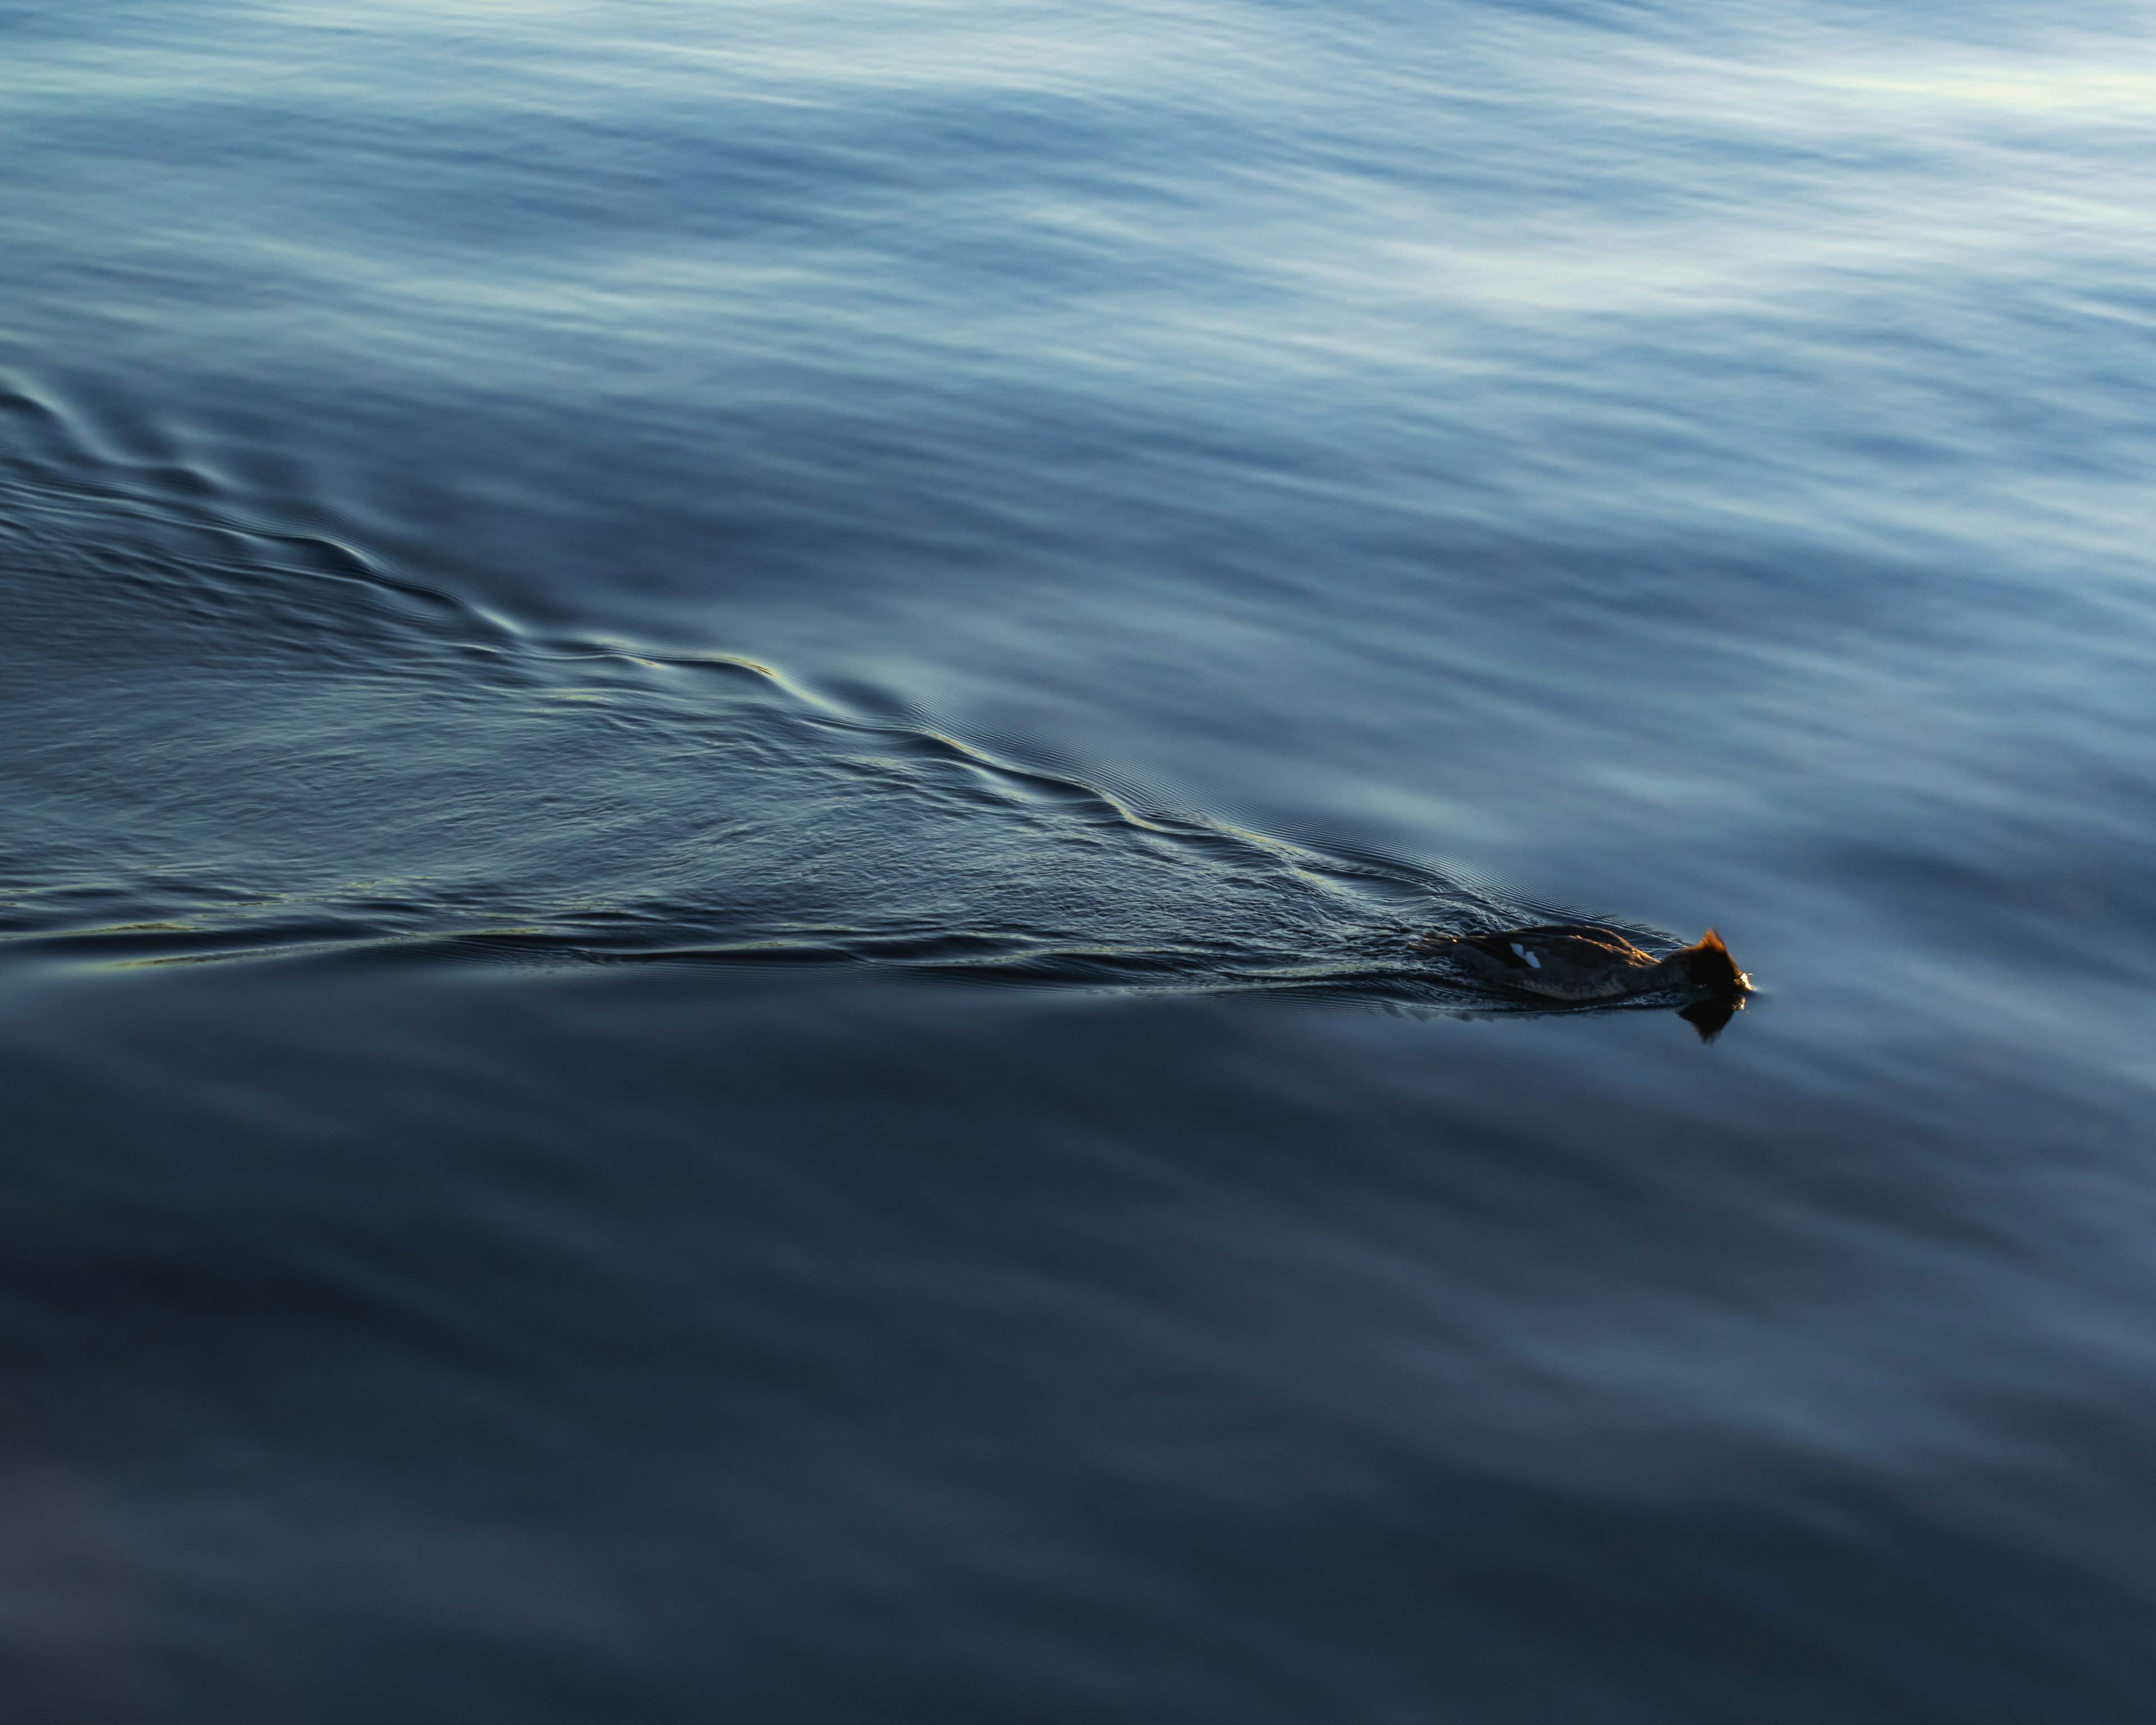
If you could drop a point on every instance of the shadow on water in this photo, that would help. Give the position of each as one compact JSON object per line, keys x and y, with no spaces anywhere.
{"x":240,"y":742}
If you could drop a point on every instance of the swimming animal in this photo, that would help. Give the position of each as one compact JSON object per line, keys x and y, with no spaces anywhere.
{"x":1580,"y":963}
{"x":1587,"y":964}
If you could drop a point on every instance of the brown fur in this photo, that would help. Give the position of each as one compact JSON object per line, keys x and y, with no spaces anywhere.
{"x":1708,"y":965}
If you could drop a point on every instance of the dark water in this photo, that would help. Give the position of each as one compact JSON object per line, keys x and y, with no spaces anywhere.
{"x":725,"y":729}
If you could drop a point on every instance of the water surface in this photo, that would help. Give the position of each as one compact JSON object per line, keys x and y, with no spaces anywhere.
{"x":569,"y":569}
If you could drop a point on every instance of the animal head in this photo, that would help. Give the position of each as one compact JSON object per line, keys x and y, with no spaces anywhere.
{"x":1708,"y":965}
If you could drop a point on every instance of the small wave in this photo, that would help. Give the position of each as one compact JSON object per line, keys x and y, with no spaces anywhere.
{"x":238,"y":740}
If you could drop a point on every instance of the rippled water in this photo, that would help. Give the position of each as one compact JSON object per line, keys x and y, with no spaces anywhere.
{"x":359,"y":763}
{"x":567,"y":569}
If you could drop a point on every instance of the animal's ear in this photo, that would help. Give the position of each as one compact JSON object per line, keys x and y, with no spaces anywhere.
{"x":1709,"y":965}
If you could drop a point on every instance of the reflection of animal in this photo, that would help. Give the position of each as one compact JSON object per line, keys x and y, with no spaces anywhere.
{"x":1579,"y":964}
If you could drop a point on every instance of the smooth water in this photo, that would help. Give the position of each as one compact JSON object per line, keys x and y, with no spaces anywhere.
{"x":568,"y":569}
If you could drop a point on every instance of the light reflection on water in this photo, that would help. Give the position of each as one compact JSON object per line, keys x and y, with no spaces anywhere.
{"x":530,"y":472}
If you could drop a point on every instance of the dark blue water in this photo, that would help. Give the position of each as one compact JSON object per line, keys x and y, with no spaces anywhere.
{"x":727,"y":729}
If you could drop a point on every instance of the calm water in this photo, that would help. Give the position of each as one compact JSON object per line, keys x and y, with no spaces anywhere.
{"x":725,"y":726}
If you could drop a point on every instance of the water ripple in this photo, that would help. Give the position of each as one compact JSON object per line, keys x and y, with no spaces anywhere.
{"x":243,"y":740}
